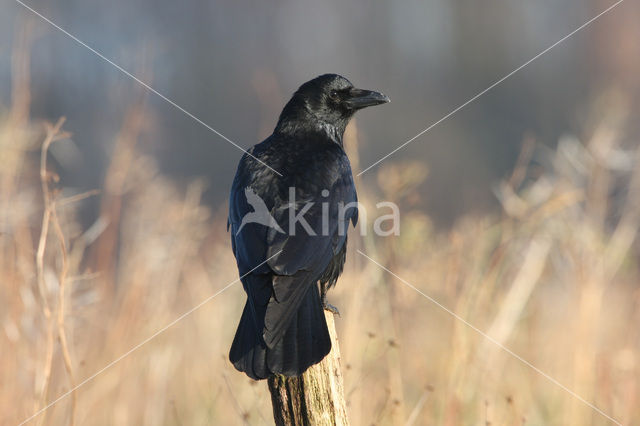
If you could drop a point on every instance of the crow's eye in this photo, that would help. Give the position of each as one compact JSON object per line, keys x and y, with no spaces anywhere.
{"x":333,"y":95}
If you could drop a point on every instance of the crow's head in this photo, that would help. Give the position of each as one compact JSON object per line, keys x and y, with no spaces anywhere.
{"x":327,"y":100}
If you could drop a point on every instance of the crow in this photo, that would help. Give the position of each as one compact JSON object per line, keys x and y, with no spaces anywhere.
{"x":287,"y":267}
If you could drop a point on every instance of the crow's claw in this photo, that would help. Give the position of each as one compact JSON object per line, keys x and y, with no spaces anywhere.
{"x":329,"y":307}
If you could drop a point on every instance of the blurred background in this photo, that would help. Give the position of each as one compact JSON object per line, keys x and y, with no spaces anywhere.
{"x":520,"y":212}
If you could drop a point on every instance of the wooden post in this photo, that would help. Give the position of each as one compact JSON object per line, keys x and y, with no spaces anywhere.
{"x":316,"y":397}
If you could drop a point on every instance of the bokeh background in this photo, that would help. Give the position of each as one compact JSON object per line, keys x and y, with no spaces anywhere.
{"x":520,"y":212}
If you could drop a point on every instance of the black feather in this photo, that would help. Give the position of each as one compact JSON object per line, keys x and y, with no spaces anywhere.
{"x":283,"y":329}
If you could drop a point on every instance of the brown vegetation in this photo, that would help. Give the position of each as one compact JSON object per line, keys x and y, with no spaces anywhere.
{"x":554,"y":278}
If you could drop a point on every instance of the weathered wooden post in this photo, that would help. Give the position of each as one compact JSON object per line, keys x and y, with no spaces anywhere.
{"x":316,"y":397}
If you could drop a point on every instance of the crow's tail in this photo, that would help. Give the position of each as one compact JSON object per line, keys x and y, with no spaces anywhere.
{"x":306,"y":341}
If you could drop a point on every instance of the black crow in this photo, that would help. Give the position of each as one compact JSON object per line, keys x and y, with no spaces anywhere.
{"x":311,"y":199}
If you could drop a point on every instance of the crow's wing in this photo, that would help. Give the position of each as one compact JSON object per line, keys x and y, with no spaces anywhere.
{"x":299,"y":258}
{"x":249,"y":244}
{"x":295,"y":258}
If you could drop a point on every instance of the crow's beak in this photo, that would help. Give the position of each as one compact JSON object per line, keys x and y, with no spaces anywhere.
{"x":359,"y":98}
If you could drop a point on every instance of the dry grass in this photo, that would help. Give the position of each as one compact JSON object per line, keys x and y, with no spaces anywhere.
{"x":554,"y":278}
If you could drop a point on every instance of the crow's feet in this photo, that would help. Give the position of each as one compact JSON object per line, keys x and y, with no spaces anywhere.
{"x":329,"y":307}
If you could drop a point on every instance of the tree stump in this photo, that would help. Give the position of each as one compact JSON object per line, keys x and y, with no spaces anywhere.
{"x":317,"y":396}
